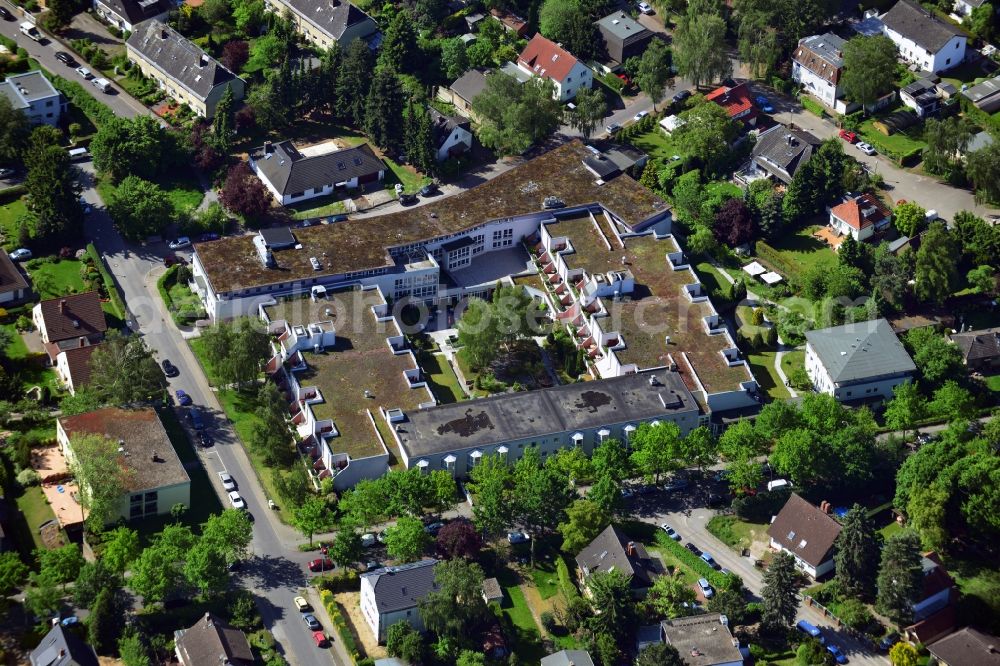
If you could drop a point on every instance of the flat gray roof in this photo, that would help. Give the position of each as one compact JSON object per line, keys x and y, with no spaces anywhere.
{"x":514,"y":416}
{"x":621,"y":25}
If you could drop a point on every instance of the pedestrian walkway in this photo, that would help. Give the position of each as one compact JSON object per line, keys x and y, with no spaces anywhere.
{"x":781,"y":372}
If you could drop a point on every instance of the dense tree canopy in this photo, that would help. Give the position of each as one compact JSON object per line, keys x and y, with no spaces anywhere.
{"x":515,"y":115}
{"x":869,"y":68}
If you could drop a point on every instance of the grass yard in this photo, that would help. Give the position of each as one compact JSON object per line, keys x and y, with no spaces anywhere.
{"x":526,"y":641}
{"x":979,"y":582}
{"x":36,"y":511}
{"x":319,"y":207}
{"x":198,"y":347}
{"x":657,"y":144}
{"x":442,"y":379}
{"x":10,"y":212}
{"x":709,"y":276}
{"x":735,"y":533}
{"x":898,"y":142}
{"x":762,"y":365}
{"x":411,"y":179}
{"x":545,"y":578}
{"x":993,"y":383}
{"x":802,"y":251}
{"x":30,"y":368}
{"x":56,"y":277}
{"x":183,"y":190}
{"x":723,"y":188}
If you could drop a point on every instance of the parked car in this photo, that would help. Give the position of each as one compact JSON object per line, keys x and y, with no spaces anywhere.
{"x":6,"y":173}
{"x":319,"y":638}
{"x":434,"y":527}
{"x":710,"y":561}
{"x":169,"y":369}
{"x":312,"y":622}
{"x":210,"y":236}
{"x":102,"y":84}
{"x":183,"y":399}
{"x":21,"y":254}
{"x":197,"y":420}
{"x":371,"y":565}
{"x":764,"y":103}
{"x":706,"y":589}
{"x":429,"y":189}
{"x":368,"y":540}
{"x":181,"y":242}
{"x":693,"y":548}
{"x":320,"y":564}
{"x":85,"y":73}
{"x":518,"y":537}
{"x":681,"y":96}
{"x":888,"y":641}
{"x":612,"y":128}
{"x":639,"y":116}
{"x":301,"y":605}
{"x":237,"y":501}
{"x":848,"y":136}
{"x":866,"y":148}
{"x":70,"y":621}
{"x":6,"y":15}
{"x":65,"y":58}
{"x":336,"y":218}
{"x":407,"y":199}
{"x":645,"y":8}
{"x":676,"y":484}
{"x":228,"y":482}
{"x":778,"y":484}
{"x":837,"y":653}
{"x":671,"y":532}
{"x":205,"y":440}
{"x":811,"y":630}
{"x":627,"y":493}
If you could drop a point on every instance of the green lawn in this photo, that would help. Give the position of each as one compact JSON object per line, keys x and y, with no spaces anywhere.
{"x":411,"y":180}
{"x":736,"y":533}
{"x":440,"y":377}
{"x":526,"y":641}
{"x":198,"y":347}
{"x":30,"y":368}
{"x":979,"y":582}
{"x":710,"y":278}
{"x":183,"y":190}
{"x":56,"y":277}
{"x":545,"y":578}
{"x":762,"y":365}
{"x":36,"y":510}
{"x":319,"y":207}
{"x":898,"y":142}
{"x":657,"y":144}
{"x":802,"y":251}
{"x":9,"y":214}
{"x":723,"y":188}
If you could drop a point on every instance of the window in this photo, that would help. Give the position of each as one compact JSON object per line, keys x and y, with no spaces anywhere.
{"x":49,"y":102}
{"x":947,"y":61}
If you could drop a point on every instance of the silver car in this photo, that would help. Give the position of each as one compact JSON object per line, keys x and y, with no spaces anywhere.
{"x":228,"y":482}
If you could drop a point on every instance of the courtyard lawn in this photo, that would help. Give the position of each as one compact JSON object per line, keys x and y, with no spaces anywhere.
{"x":802,"y":251}
{"x":735,"y":533}
{"x":440,"y":376}
{"x":319,"y":207}
{"x":710,"y":278}
{"x":723,"y":188}
{"x":10,"y":213}
{"x":56,"y":277}
{"x":762,"y":365}
{"x":526,"y":642}
{"x":657,"y":144}
{"x":36,"y":510}
{"x":902,"y":143}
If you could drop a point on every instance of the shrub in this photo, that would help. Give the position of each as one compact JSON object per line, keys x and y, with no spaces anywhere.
{"x":28,"y":477}
{"x":548,"y":621}
{"x":700,"y":567}
{"x":341,"y":624}
{"x":855,"y":613}
{"x":343,"y":580}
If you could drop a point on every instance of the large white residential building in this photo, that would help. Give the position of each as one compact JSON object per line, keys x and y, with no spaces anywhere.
{"x":818,"y":65}
{"x":922,"y":38}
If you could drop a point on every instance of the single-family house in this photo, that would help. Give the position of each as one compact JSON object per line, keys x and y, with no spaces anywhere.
{"x":14,"y":286}
{"x":34,"y":96}
{"x":980,"y":349}
{"x":510,"y":22}
{"x":391,"y":594}
{"x":986,"y":95}
{"x":857,"y":361}
{"x":328,"y":22}
{"x":966,"y":7}
{"x":703,"y":640}
{"x":547,"y":60}
{"x":452,"y":135}
{"x":934,"y":613}
{"x":212,"y":641}
{"x":780,"y":151}
{"x":568,"y":658}
{"x":155,"y":478}
{"x":623,"y":36}
{"x":181,"y":68}
{"x":967,"y":647}
{"x":126,"y":14}
{"x":612,"y":549}
{"x":294,"y":175}
{"x":69,"y":321}
{"x":860,"y":216}
{"x":464,"y":90}
{"x":925,"y":96}
{"x":61,"y":647}
{"x":922,"y":38}
{"x":73,"y":365}
{"x":807,"y":533}
{"x":818,"y":65}
{"x":737,"y":101}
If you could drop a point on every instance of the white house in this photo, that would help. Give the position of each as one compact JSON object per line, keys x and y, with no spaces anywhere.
{"x":391,"y":595}
{"x":294,"y":175}
{"x":74,"y":320}
{"x":452,"y":135}
{"x":34,"y":96}
{"x":13,"y":284}
{"x":857,"y":361}
{"x":966,"y":7}
{"x":922,"y":38}
{"x":860,"y":217}
{"x":126,"y":14}
{"x":73,"y":365}
{"x":807,"y":533}
{"x":818,"y":65}
{"x":545,"y":59}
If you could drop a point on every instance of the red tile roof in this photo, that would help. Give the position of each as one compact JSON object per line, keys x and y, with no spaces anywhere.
{"x":511,"y":21}
{"x":78,"y":361}
{"x":862,"y":211}
{"x":73,"y":315}
{"x":736,"y":100}
{"x":546,"y":59}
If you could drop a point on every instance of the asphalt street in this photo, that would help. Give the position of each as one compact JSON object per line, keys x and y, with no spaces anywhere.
{"x":276,"y":573}
{"x":44,"y":52}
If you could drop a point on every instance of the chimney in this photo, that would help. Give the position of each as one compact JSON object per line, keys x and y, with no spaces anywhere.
{"x":268,"y":147}
{"x":204,"y":60}
{"x":630,"y":549}
{"x":163,"y":33}
{"x":208,"y":619}
{"x":62,"y":306}
{"x":83,"y":341}
{"x":62,"y":652}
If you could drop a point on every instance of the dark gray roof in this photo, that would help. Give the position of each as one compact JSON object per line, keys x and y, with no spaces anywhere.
{"x":277,"y":238}
{"x":860,"y":351}
{"x":568,"y":658}
{"x":525,"y":415}
{"x":210,"y":641}
{"x":621,"y":25}
{"x":984,"y":90}
{"x":399,"y":588}
{"x":469,"y":84}
{"x":979,"y":141}
{"x":30,"y":86}
{"x":137,"y":11}
{"x":333,"y":17}
{"x":444,"y":125}
{"x":967,"y":647}
{"x":179,"y":58}
{"x":782,"y":150}
{"x":292,"y":172}
{"x":978,"y":345}
{"x":919,"y":26}
{"x":802,"y":528}
{"x":821,"y":54}
{"x":702,"y":640}
{"x":61,"y":648}
{"x":609,"y":550}
{"x":458,"y":243}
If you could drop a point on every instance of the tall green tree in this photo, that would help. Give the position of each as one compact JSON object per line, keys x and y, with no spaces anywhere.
{"x":983,"y":169}
{"x":121,"y":546}
{"x":906,"y":407}
{"x":935,"y":272}
{"x":491,"y":479}
{"x":659,"y":654}
{"x":129,"y":146}
{"x":858,"y":547}
{"x":611,"y":593}
{"x":869,"y":68}
{"x":53,"y":191}
{"x":159,"y":570}
{"x":653,"y":449}
{"x":707,"y":133}
{"x":124,"y":372}
{"x":399,"y":45}
{"x":515,"y":115}
{"x":60,"y":14}
{"x":354,"y":81}
{"x":406,"y":540}
{"x":14,"y":132}
{"x":205,"y":568}
{"x":140,"y":208}
{"x":346,"y":548}
{"x":584,"y":521}
{"x":541,"y":495}
{"x":669,"y":597}
{"x":606,"y":493}
{"x":132,"y":649}
{"x":271,"y":436}
{"x":653,"y":71}
{"x":610,"y":457}
{"x":13,"y":572}
{"x":454,"y":59}
{"x":230,"y":533}
{"x":946,"y":139}
{"x":457,"y":604}
{"x":700,"y":44}
{"x":313,"y":516}
{"x":590,"y":110}
{"x":92,"y":579}
{"x":900,"y":576}
{"x":224,"y":124}
{"x":105,"y":622}
{"x":758,"y":42}
{"x":404,"y":642}
{"x":909,"y":218}
{"x":61,"y":565}
{"x":102,"y":478}
{"x":778,"y":596}
{"x":927,"y":514}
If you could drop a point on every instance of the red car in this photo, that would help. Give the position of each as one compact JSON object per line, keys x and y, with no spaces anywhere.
{"x":320,"y":639}
{"x":321,"y":564}
{"x":624,"y":79}
{"x":848,"y":136}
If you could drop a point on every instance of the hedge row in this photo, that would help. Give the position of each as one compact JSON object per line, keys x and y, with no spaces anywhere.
{"x":343,"y":580}
{"x":109,"y":283}
{"x":698,"y":565}
{"x":566,"y":586}
{"x":97,"y":112}
{"x":341,"y":624}
{"x":773,"y":257}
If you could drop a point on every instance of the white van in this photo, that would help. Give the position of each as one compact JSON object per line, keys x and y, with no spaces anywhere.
{"x":77,"y":154}
{"x":102,"y":84}
{"x":778,"y":483}
{"x":29,"y":29}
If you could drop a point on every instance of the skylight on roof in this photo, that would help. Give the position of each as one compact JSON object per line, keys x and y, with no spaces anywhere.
{"x":802,"y":544}
{"x":341,"y":166}
{"x":791,"y":535}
